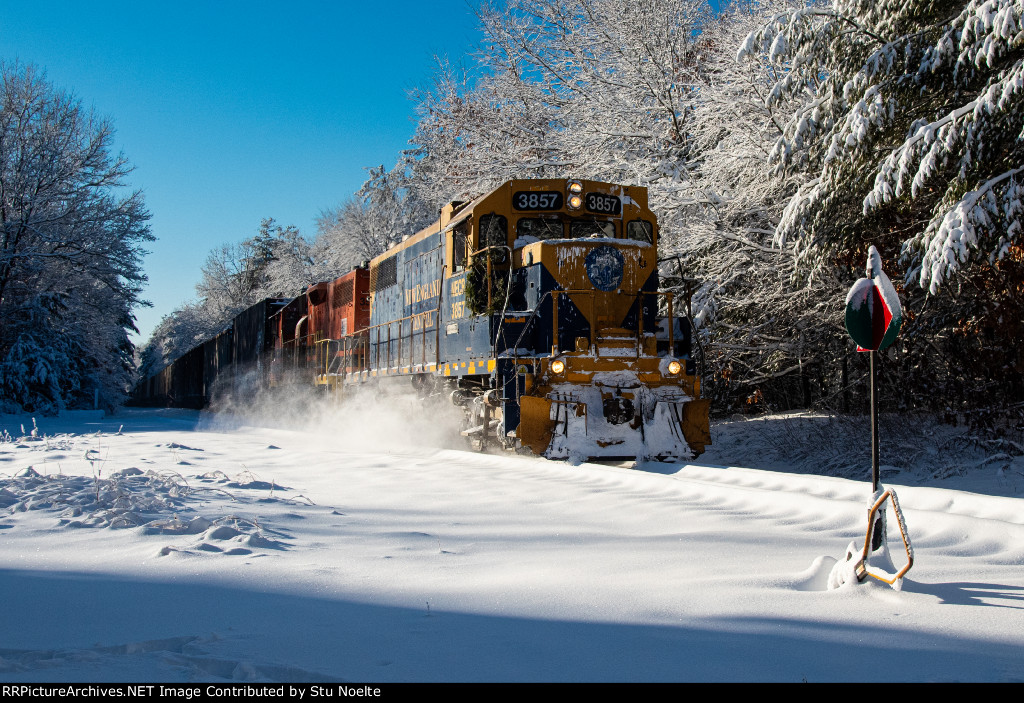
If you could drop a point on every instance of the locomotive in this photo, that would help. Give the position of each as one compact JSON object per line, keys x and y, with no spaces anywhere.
{"x":535,"y":308}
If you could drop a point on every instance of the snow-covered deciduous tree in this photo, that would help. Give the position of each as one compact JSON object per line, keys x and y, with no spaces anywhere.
{"x":276,"y":262}
{"x":589,"y":88}
{"x":767,"y":338}
{"x":617,"y":78}
{"x":384,"y":210}
{"x":71,"y":245}
{"x":478,"y":128}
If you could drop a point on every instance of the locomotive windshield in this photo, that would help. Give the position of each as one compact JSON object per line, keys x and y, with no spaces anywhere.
{"x":641,"y":230}
{"x":585,"y":228}
{"x":538,"y":228}
{"x":493,"y":231}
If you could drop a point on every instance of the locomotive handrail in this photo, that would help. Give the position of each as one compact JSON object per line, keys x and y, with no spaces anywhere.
{"x":437,"y":325}
{"x":671,"y":320}
{"x":505,"y":248}
{"x":412,"y":333}
{"x":526,"y":326}
{"x":365,"y":333}
{"x":328,"y":360}
{"x":316,"y":340}
{"x":484,"y":250}
{"x":571,"y":291}
{"x":488,"y":250}
{"x":688,"y":283}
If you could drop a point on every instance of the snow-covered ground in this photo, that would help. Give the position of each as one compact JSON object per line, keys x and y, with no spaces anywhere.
{"x":174,"y":546}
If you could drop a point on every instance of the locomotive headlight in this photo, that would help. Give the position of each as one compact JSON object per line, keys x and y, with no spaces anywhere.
{"x":557,"y":366}
{"x":674,"y":367}
{"x":575,"y":202}
{"x":575,"y":187}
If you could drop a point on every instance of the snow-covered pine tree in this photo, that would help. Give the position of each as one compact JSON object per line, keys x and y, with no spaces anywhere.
{"x":912,"y":124}
{"x":911,"y":129}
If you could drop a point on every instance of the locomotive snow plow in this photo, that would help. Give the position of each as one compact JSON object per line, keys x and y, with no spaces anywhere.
{"x":612,"y":402}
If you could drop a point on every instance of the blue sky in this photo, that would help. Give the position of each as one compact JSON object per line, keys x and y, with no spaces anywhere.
{"x":234,"y":111}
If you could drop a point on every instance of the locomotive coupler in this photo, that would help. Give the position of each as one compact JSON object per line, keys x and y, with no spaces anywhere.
{"x":619,"y":410}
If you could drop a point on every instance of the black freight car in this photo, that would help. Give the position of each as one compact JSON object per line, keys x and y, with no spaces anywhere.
{"x":234,"y":361}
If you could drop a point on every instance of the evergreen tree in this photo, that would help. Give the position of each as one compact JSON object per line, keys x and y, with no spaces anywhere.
{"x":910,"y":129}
{"x":911,"y":126}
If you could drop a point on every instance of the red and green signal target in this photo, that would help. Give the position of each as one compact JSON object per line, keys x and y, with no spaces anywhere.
{"x":873,"y":311}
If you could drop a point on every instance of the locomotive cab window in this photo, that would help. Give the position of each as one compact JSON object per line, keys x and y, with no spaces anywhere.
{"x":493,"y":231}
{"x":539,"y":228}
{"x":640,"y":230}
{"x":583,"y":228}
{"x":458,"y":240}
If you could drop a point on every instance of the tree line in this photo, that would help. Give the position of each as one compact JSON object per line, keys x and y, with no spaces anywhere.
{"x":778,"y":140}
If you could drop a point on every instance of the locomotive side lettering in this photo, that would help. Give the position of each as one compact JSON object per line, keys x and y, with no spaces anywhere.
{"x":423,"y":321}
{"x":424,"y":291}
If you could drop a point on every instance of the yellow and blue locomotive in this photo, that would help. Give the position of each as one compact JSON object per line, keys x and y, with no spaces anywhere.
{"x":536,"y":307}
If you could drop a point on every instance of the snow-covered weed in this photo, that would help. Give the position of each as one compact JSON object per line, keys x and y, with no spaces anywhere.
{"x":157,"y":502}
